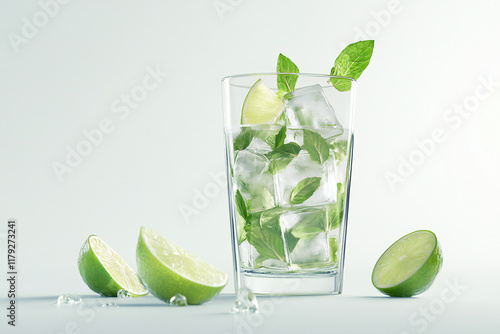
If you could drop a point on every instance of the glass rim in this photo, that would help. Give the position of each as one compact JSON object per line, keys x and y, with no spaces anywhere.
{"x":311,"y":75}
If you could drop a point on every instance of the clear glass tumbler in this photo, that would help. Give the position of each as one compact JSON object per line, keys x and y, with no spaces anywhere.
{"x":289,"y":164}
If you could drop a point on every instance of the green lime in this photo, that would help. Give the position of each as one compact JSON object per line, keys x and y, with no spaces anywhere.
{"x":105,"y":272}
{"x":167,"y":270}
{"x":409,"y":266}
{"x":261,"y":105}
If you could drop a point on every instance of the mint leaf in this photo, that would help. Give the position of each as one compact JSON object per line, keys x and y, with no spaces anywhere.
{"x":286,"y":82}
{"x":304,"y":190}
{"x":335,"y":211}
{"x":351,"y":62}
{"x":243,"y":139}
{"x":240,"y":205}
{"x":310,"y":226}
{"x":339,"y":148}
{"x":334,"y":246}
{"x":240,"y":228}
{"x":271,"y":219}
{"x":316,"y":146}
{"x":266,"y":238}
{"x":282,"y":156}
{"x":280,"y":138}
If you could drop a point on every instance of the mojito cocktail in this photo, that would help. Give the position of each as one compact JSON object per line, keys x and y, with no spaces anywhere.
{"x":288,"y":162}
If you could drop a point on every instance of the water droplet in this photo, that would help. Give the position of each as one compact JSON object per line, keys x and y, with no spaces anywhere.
{"x":123,"y":294}
{"x":246,"y":302}
{"x":178,"y":300}
{"x":68,"y":300}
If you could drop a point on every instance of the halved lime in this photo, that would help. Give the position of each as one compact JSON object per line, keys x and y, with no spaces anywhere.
{"x":167,"y":269}
{"x":261,"y":105}
{"x":105,"y":272}
{"x":409,"y":266}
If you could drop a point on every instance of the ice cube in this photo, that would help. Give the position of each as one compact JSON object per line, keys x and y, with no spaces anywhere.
{"x":178,"y":300}
{"x":123,"y":294}
{"x":308,"y":106}
{"x":300,"y":168}
{"x":68,"y":300}
{"x":308,"y":243}
{"x":313,"y":252}
{"x":257,"y":145}
{"x":246,"y":302}
{"x":294,"y":136}
{"x":254,"y":181}
{"x":249,"y":165}
{"x":248,"y":255}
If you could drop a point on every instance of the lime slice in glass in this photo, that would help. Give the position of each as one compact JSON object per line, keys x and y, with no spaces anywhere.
{"x":167,"y":270}
{"x":409,"y":266}
{"x":261,"y":105}
{"x":105,"y":272}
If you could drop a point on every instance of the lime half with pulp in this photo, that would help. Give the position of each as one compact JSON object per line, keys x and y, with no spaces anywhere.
{"x":105,"y":272}
{"x":261,"y":105}
{"x":167,"y":269}
{"x":409,"y":266}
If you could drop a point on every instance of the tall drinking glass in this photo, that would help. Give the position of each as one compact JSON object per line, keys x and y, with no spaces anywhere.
{"x":288,"y":159}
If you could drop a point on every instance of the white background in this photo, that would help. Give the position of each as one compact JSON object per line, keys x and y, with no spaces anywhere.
{"x":66,"y":75}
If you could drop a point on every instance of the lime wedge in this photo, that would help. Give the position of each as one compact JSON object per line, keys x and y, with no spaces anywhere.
{"x":261,"y":105}
{"x":409,"y":266}
{"x":167,"y":270}
{"x":105,"y":272}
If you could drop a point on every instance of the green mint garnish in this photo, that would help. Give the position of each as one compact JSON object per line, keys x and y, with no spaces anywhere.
{"x":335,"y":211}
{"x":304,"y":190}
{"x":280,"y":138}
{"x":310,"y":226}
{"x":264,"y":233}
{"x":316,"y":146}
{"x":240,"y":205}
{"x":339,"y":148}
{"x":243,"y":139}
{"x":282,"y":156}
{"x":334,"y":246}
{"x":351,"y":62}
{"x":286,"y":83}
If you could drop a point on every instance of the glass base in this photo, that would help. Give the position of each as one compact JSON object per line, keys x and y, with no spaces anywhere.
{"x":292,"y":284}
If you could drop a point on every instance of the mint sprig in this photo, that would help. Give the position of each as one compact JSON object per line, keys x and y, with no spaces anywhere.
{"x":286,"y":82}
{"x":317,"y":146}
{"x":240,"y":205}
{"x":312,"y":224}
{"x":264,"y":233}
{"x":243,"y":139}
{"x":280,"y":137}
{"x":335,"y":211}
{"x":282,"y":156}
{"x":304,"y":189}
{"x":351,"y":62}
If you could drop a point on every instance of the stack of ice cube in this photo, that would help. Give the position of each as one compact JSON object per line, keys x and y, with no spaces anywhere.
{"x":304,"y":224}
